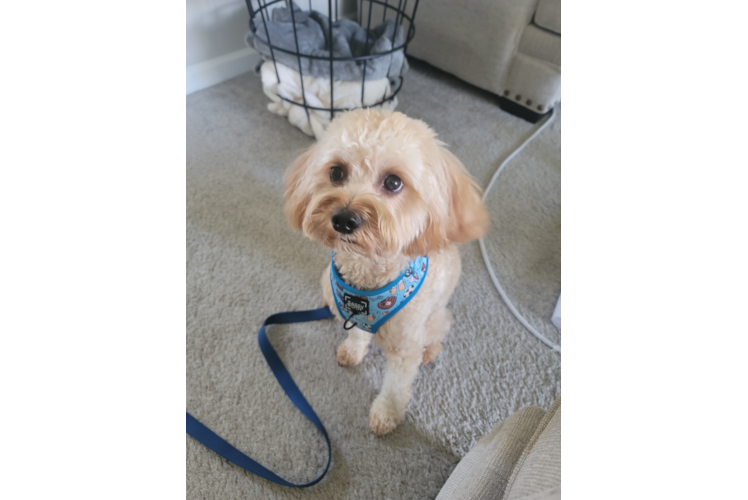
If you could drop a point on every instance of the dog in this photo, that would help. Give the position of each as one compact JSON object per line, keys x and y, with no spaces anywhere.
{"x":379,"y":190}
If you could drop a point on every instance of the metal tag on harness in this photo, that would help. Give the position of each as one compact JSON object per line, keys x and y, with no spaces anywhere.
{"x":356,"y":305}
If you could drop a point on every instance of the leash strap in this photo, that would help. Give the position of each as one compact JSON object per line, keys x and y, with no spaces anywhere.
{"x":216,"y":443}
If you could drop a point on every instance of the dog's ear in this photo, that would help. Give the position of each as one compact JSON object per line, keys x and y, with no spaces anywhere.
{"x":296,"y":192}
{"x":468,"y":218}
{"x":456,"y":213}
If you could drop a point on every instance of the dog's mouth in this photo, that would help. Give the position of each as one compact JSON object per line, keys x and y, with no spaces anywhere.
{"x":348,"y":239}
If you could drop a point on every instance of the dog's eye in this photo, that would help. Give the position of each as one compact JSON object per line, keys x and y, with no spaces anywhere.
{"x":336,"y":174}
{"x":393,"y":184}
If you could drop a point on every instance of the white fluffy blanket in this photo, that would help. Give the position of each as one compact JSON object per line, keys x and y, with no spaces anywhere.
{"x":346,"y":95}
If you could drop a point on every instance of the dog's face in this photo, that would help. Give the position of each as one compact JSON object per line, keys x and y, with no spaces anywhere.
{"x":379,"y":184}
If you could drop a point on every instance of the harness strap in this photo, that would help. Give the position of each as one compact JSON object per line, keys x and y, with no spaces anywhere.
{"x":216,"y":443}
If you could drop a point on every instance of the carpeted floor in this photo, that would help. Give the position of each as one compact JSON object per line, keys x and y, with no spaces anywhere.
{"x":245,"y":263}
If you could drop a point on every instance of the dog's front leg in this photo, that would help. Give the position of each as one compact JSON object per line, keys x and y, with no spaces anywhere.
{"x":388,"y":408}
{"x":353,"y":349}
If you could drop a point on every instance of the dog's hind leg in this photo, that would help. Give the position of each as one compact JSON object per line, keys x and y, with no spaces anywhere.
{"x":353,"y":349}
{"x":437,"y":327}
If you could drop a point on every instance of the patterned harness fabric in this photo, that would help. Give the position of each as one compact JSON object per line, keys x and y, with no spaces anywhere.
{"x":369,"y":310}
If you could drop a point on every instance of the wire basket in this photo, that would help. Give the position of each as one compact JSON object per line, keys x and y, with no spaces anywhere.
{"x":313,"y":67}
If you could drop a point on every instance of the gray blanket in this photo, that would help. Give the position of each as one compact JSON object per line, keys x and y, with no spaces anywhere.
{"x":348,"y":39}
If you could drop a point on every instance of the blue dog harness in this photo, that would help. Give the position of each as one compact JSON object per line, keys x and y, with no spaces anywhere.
{"x":368,"y":310}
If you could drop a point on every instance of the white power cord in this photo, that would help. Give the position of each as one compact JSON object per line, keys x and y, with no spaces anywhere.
{"x":483,"y":252}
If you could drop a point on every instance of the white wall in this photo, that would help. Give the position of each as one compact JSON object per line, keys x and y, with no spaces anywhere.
{"x":215,"y":42}
{"x":346,"y":8}
{"x":215,"y":38}
{"x":215,"y":28}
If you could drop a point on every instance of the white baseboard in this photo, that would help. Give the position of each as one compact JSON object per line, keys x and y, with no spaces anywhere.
{"x":220,"y":69}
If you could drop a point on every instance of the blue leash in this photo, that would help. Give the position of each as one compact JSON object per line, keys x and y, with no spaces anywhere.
{"x":216,"y":443}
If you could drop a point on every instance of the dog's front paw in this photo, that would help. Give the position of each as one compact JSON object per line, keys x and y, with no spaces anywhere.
{"x":431,"y":352}
{"x":351,"y":353}
{"x":384,"y":416}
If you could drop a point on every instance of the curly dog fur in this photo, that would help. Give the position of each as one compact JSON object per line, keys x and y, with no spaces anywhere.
{"x":436,"y":206}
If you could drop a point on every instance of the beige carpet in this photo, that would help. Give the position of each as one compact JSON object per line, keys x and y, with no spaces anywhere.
{"x":244,"y":263}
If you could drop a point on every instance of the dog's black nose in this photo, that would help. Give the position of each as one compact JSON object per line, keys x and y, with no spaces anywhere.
{"x":345,"y":221}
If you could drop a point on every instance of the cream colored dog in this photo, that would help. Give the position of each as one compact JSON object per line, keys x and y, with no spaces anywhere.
{"x":379,"y":189}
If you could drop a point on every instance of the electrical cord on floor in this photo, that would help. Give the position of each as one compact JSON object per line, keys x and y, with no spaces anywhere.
{"x":484,"y":253}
